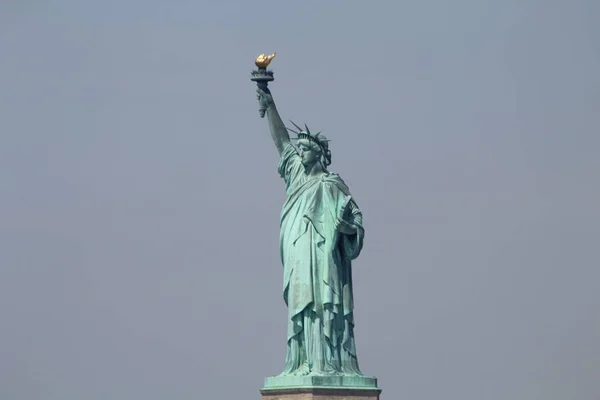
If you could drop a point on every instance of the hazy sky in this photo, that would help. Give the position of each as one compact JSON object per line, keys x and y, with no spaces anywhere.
{"x":139,"y":214}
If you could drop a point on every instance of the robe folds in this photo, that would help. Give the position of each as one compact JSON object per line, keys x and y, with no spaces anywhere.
{"x":317,"y":275}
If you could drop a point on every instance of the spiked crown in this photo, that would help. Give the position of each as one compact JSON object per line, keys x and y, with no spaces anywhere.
{"x":317,"y":138}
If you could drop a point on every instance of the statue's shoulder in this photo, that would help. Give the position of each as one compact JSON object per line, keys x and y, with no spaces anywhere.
{"x":335,"y":179}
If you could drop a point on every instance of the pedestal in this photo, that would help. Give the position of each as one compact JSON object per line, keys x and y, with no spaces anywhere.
{"x":320,"y":394}
{"x":320,"y":388}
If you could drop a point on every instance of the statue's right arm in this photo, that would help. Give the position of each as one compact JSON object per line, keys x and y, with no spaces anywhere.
{"x":278,"y":131}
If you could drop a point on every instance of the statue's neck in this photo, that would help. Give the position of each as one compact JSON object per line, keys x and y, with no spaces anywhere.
{"x":315,"y":170}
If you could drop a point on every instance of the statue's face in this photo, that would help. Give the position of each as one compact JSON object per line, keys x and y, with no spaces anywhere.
{"x":308,"y":155}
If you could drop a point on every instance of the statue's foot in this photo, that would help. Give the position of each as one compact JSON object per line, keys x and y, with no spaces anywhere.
{"x":328,"y":371}
{"x":303,"y":370}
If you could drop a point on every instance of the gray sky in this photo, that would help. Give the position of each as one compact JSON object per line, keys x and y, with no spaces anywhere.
{"x":140,"y":200}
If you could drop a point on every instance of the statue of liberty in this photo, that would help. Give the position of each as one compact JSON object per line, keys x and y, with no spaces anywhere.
{"x":321,"y":232}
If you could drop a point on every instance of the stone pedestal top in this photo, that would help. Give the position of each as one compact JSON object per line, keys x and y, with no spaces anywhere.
{"x":324,"y":381}
{"x":316,"y":393}
{"x":321,"y":388}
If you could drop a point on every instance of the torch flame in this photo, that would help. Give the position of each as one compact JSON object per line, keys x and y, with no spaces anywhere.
{"x":263,"y":61}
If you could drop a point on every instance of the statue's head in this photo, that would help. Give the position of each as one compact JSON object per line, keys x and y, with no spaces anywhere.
{"x":313,"y":147}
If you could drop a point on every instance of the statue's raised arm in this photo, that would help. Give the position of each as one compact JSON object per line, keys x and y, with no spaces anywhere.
{"x":278,"y":130}
{"x":262,"y":77}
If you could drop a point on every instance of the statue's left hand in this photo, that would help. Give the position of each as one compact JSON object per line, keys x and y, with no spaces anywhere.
{"x":345,"y":227}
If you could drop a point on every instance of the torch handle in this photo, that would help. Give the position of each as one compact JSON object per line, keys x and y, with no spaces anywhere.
{"x":265,"y":88}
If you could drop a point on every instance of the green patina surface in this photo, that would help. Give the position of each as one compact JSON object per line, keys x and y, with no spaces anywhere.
{"x":345,"y":381}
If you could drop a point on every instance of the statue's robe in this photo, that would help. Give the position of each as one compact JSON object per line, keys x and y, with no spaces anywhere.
{"x":317,"y":279}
